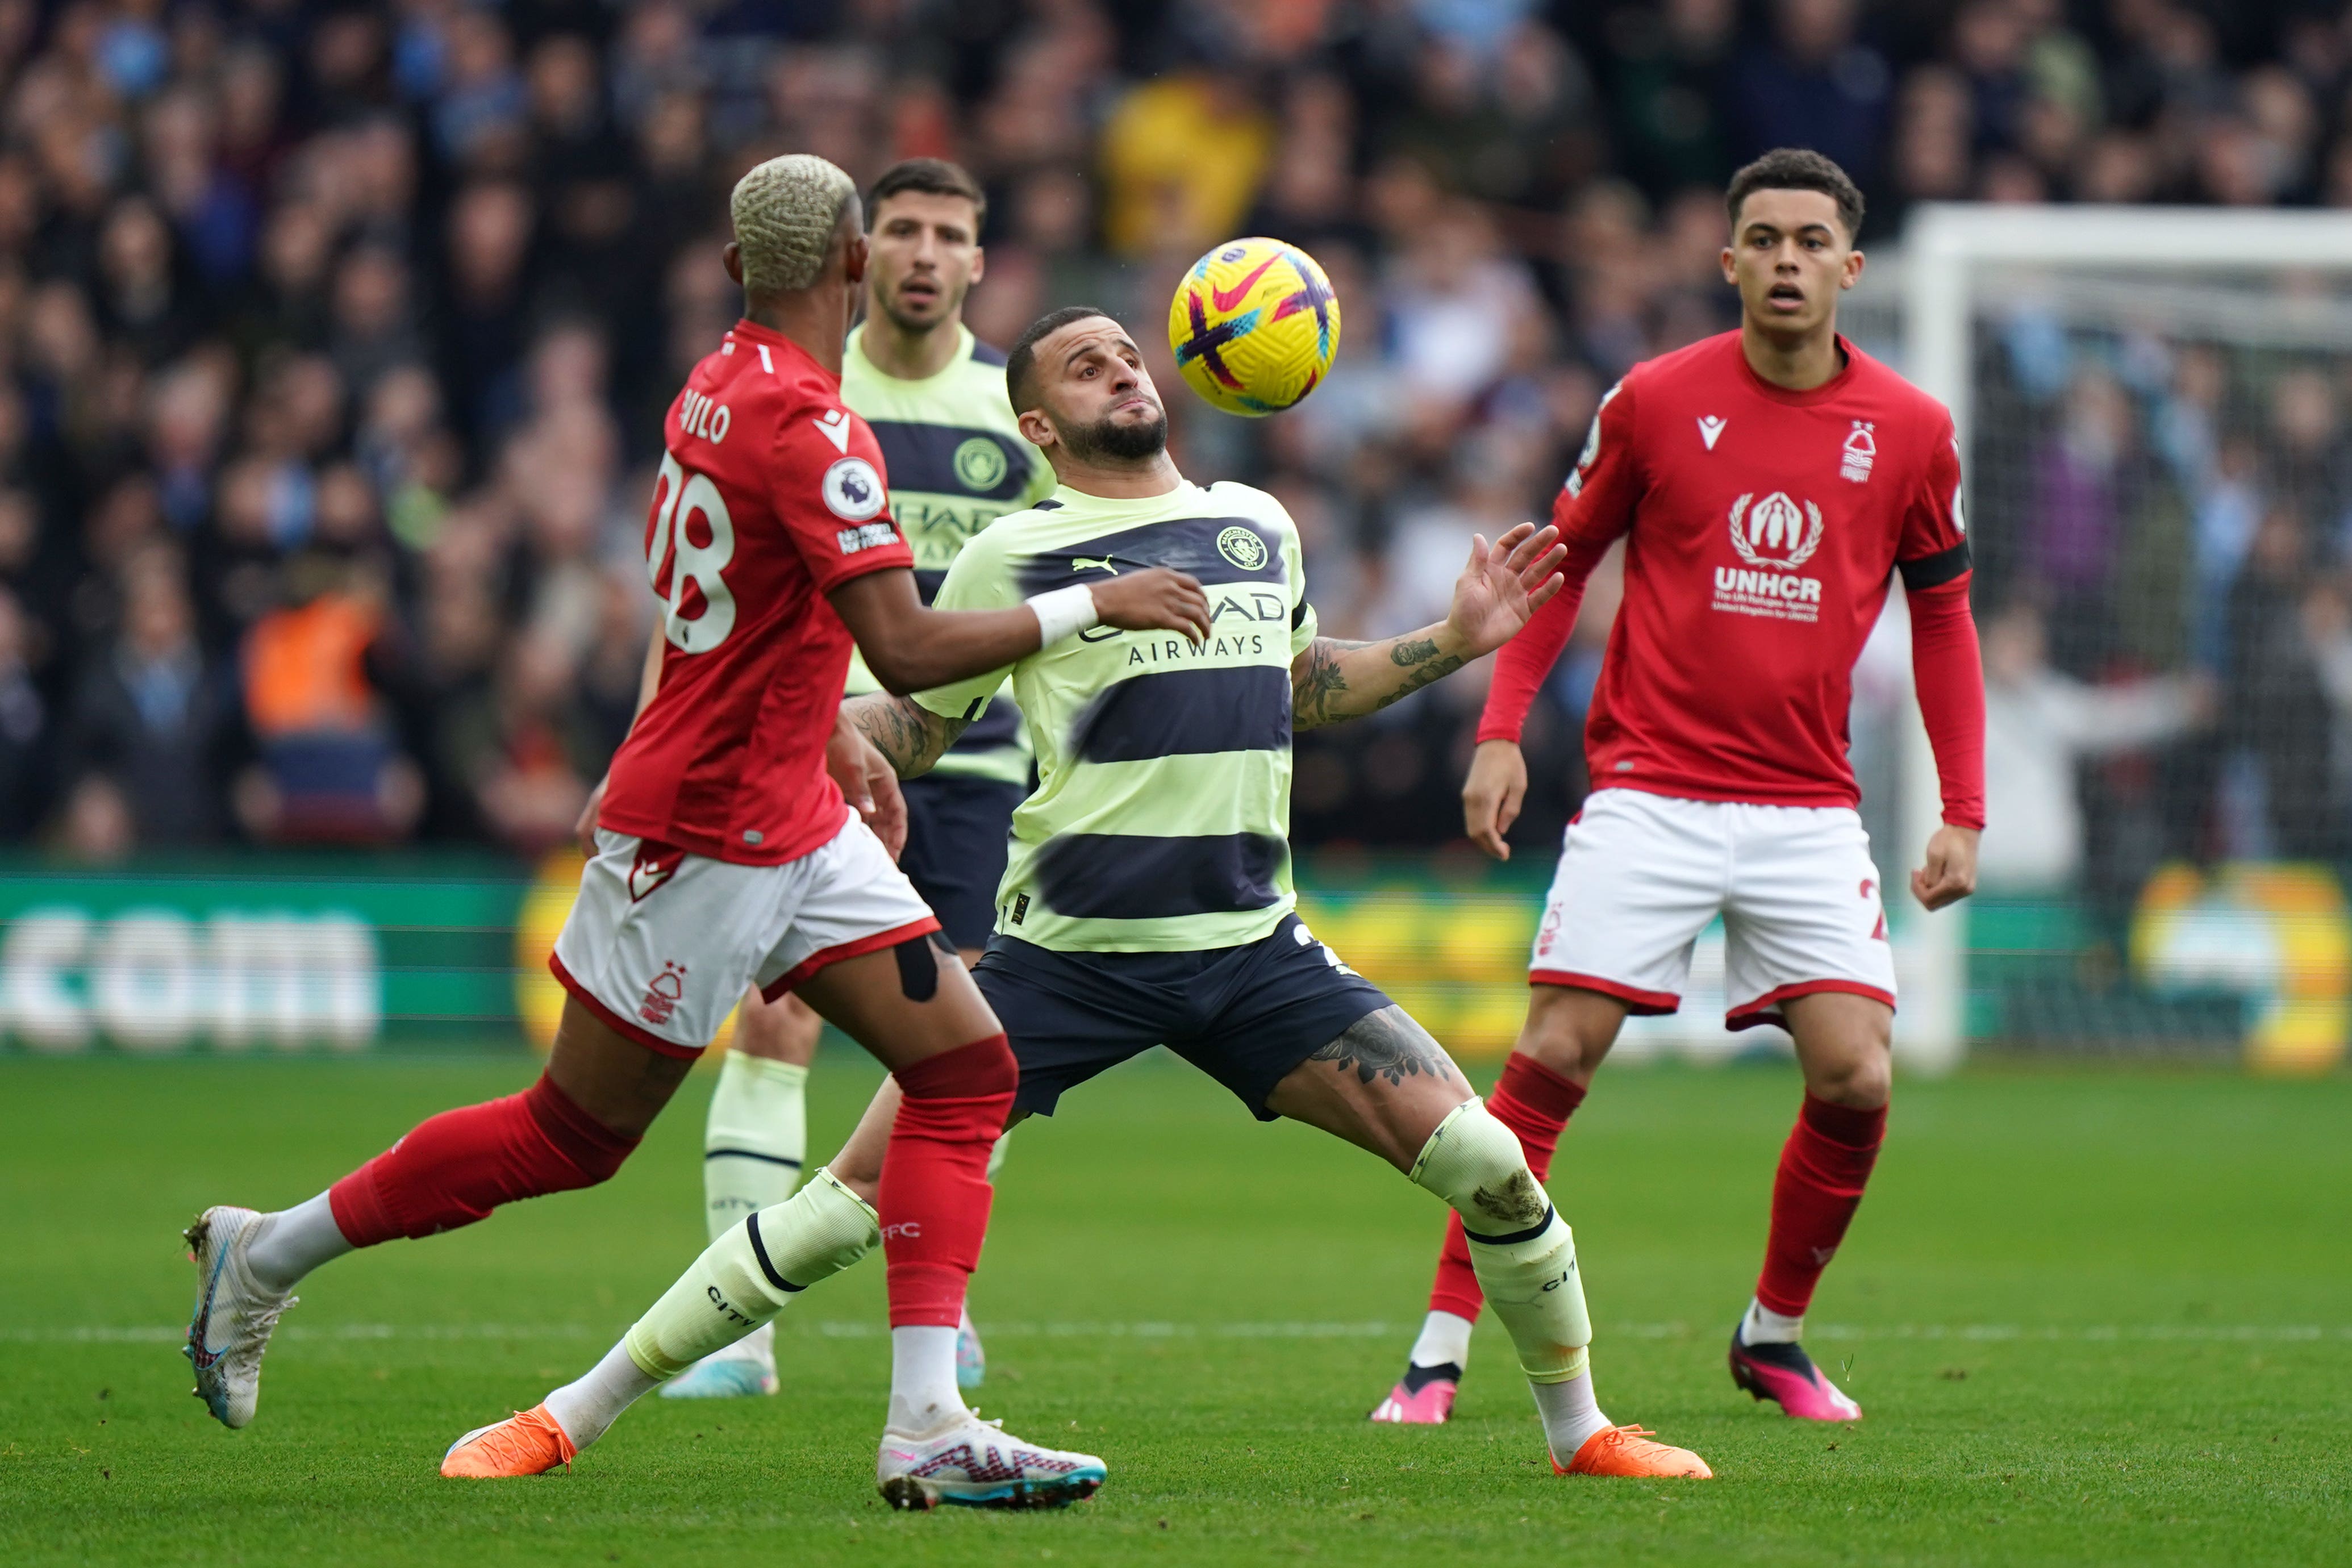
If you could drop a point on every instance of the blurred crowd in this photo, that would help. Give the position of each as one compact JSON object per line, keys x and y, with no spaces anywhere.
{"x":335,"y":341}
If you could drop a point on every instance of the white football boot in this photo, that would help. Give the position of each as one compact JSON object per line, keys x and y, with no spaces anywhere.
{"x":978,"y":1464}
{"x":746,"y":1367}
{"x":235,"y":1314}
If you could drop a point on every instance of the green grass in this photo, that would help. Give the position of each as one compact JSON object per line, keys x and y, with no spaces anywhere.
{"x":2093,"y":1317}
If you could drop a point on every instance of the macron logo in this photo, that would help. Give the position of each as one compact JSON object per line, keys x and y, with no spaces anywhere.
{"x":835,"y":429}
{"x":1710,"y":428}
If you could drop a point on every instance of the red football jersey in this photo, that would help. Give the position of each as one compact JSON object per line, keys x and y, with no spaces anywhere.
{"x":770,"y":495}
{"x":1762,"y":529}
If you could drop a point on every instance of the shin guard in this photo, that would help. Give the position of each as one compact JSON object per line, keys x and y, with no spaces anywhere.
{"x":935,"y":1192}
{"x":746,"y":1276}
{"x":1524,"y":1253}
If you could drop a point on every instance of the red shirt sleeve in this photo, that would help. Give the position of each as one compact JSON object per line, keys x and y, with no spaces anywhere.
{"x":1933,"y":548}
{"x":830,"y":492}
{"x":1592,"y":510}
{"x":1945,"y":667}
{"x":1949,"y":673}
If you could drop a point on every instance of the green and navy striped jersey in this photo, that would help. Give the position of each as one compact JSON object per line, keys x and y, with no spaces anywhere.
{"x":957,"y":462}
{"x":1162,"y":818}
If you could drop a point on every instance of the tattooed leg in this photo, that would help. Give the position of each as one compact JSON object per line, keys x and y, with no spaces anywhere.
{"x":1384,"y":1084}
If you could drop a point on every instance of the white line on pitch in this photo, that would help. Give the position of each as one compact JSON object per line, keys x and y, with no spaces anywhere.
{"x":804,"y":1328}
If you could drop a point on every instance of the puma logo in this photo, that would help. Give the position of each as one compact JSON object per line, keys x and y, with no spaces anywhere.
{"x":1080,"y":562}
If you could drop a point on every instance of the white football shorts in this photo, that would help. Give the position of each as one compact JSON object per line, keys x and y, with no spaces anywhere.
{"x":660,"y":943}
{"x":1641,"y":876}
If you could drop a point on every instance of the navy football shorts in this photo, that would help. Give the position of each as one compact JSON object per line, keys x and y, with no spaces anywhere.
{"x":1246,"y":1016}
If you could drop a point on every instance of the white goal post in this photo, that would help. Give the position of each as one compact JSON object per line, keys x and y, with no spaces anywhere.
{"x":1952,"y":258}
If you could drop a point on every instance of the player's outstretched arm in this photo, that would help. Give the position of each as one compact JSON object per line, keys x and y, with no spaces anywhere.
{"x":909,"y":736}
{"x":911,"y":647}
{"x":1502,"y":587}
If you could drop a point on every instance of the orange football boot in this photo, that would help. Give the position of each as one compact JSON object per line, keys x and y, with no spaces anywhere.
{"x":528,"y":1442}
{"x":1628,"y":1451}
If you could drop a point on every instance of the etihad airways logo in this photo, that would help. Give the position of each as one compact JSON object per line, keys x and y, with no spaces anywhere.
{"x":1773,"y":537}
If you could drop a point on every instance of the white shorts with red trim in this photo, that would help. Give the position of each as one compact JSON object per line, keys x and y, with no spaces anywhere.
{"x":1641,"y":876}
{"x":660,"y":944}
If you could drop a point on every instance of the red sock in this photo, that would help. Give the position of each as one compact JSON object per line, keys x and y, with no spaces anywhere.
{"x":1534,"y":1103}
{"x":1824,"y":1168}
{"x":935,"y":1192}
{"x":455,"y":1167}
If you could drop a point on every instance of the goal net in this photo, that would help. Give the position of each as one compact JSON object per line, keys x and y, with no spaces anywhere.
{"x":2156,"y":416}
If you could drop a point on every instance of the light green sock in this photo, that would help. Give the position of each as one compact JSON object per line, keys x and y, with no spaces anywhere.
{"x":746,"y":1276}
{"x":1523,"y":1253}
{"x":755,"y":1139}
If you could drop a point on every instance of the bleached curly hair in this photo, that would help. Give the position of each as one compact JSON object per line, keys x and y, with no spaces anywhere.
{"x":785,"y":211}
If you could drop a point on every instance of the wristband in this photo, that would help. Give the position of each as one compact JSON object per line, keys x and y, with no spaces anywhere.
{"x":1063,"y":612}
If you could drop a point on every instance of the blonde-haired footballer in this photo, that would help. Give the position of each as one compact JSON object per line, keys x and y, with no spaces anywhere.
{"x":727,"y":856}
{"x":934,"y":398}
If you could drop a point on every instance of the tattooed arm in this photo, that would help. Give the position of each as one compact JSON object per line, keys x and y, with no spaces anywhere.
{"x":1334,"y":680}
{"x":1492,"y":598}
{"x":909,"y":735}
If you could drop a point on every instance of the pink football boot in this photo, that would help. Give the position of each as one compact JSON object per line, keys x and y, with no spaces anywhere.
{"x":1785,"y":1375}
{"x":1424,"y":1398}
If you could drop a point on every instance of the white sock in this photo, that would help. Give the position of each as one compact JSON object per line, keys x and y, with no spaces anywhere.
{"x":1763,"y":1326}
{"x":923,"y":1397}
{"x":754,"y":1140}
{"x":584,"y":1409}
{"x":292,"y":1242}
{"x":1569,"y":1414}
{"x":1445,"y":1340}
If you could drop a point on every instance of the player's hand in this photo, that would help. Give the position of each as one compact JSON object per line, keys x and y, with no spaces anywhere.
{"x":1502,"y":586}
{"x":583,"y":832}
{"x":1493,"y":793}
{"x":868,"y":782}
{"x":1155,"y":599}
{"x":1951,"y":873}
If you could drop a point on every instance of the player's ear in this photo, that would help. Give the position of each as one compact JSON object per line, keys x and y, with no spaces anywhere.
{"x":852,"y":257}
{"x":732,"y":259}
{"x":1730,"y":272}
{"x":1035,"y":428}
{"x":978,"y":264}
{"x":1852,"y":274}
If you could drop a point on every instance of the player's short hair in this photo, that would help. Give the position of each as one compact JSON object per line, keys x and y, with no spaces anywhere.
{"x":785,"y":211}
{"x":1798,"y":169}
{"x":1021,"y":364}
{"x":930,"y":177}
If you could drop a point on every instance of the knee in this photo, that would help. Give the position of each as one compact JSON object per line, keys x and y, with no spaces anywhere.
{"x":592,"y":1151}
{"x":1476,"y":1163}
{"x":1861,"y":1081}
{"x":1566,"y":1036}
{"x":983,"y":1070}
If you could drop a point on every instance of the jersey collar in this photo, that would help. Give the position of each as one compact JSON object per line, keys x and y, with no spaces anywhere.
{"x":1821,"y":394}
{"x":746,"y":330}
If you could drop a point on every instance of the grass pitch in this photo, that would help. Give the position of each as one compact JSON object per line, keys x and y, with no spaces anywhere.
{"x":2093,"y":1317}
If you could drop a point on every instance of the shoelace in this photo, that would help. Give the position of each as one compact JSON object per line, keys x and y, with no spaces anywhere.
{"x":1627,"y":1435}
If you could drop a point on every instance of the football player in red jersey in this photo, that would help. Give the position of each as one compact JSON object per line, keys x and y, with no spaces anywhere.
{"x":728,"y":858}
{"x":1768,"y":484}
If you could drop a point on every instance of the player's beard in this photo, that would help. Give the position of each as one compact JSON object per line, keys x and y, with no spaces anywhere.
{"x":1119,"y":443}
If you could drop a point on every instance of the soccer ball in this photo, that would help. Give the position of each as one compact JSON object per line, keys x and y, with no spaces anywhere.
{"x":1254,"y":326}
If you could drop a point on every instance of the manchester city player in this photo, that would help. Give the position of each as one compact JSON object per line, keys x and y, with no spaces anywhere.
{"x":934,"y":396}
{"x":1148,"y":897}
